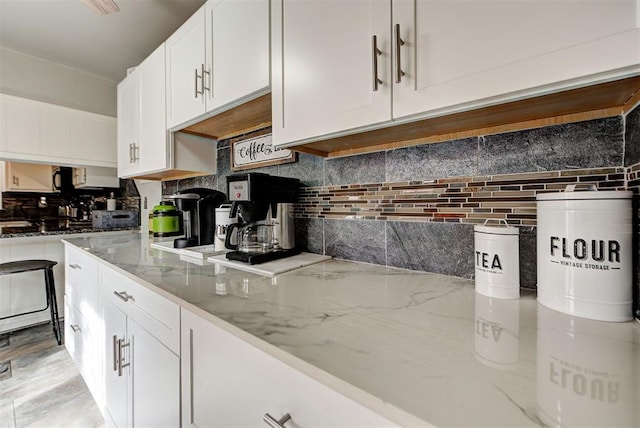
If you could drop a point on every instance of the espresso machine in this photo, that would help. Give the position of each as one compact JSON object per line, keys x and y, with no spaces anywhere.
{"x":198,"y":210}
{"x":264,"y":204}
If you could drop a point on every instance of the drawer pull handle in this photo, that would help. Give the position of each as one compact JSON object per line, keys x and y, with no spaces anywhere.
{"x":75,"y":327}
{"x":273,"y":423}
{"x":75,"y":266}
{"x":122,"y":295}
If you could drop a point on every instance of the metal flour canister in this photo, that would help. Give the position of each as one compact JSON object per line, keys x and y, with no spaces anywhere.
{"x":497,"y":265}
{"x":584,"y":253}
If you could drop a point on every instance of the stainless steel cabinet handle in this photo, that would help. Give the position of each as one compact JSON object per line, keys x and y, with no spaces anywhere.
{"x":121,"y":344}
{"x":135,"y":154}
{"x":375,"y":53}
{"x":196,"y":84}
{"x":123,"y":295}
{"x":273,"y":423}
{"x":205,"y":88}
{"x":131,"y":152}
{"x":75,"y":327}
{"x":116,"y":350}
{"x":399,"y":42}
{"x":75,"y":266}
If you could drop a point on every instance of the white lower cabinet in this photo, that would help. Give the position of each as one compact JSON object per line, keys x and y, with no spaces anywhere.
{"x":229,"y":382}
{"x":82,"y":340}
{"x":82,"y":331}
{"x":141,"y":372}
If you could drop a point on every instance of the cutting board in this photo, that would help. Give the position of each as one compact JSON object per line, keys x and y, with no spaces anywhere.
{"x":273,"y":267}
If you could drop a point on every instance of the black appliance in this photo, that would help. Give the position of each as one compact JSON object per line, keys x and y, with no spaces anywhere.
{"x":63,"y":179}
{"x":198,"y":210}
{"x":260,"y":199}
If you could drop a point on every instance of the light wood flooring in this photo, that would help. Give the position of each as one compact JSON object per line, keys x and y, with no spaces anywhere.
{"x":39,"y":384}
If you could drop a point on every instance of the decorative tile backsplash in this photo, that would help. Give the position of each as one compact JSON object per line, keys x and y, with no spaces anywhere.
{"x":509,"y":197}
{"x":415,"y":207}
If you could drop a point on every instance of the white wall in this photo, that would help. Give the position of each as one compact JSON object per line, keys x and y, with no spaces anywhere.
{"x":34,"y":78}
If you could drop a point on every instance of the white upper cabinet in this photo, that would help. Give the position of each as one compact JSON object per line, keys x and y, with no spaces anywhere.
{"x":145,"y":148}
{"x":32,"y":131}
{"x":458,"y":52}
{"x":185,"y":67}
{"x":217,"y":59}
{"x":128,"y":120}
{"x":237,"y":51}
{"x":324,"y":66}
{"x":435,"y":57}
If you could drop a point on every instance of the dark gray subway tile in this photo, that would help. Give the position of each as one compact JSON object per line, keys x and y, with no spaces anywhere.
{"x":310,"y":234}
{"x":528,"y":257}
{"x":431,"y":247}
{"x":309,"y":169}
{"x":359,"y":240}
{"x":432,"y":161}
{"x":590,"y":144}
{"x":366,"y":168}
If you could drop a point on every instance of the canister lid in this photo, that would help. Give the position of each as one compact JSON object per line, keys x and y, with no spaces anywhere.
{"x":501,"y":228}
{"x":497,"y":230}
{"x":592,"y":194}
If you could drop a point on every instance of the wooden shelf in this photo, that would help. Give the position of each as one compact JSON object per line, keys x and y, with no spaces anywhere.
{"x":247,"y":117}
{"x":591,"y":102}
{"x":576,"y":105}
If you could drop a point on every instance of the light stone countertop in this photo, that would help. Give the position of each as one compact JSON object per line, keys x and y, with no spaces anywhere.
{"x":413,"y":346}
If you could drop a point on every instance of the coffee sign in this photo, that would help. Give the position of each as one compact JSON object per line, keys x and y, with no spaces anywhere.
{"x":258,"y":152}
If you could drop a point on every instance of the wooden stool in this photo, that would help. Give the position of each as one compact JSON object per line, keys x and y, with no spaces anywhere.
{"x":20,"y":266}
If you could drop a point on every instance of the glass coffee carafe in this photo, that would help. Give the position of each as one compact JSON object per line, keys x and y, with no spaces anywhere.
{"x":251,"y":238}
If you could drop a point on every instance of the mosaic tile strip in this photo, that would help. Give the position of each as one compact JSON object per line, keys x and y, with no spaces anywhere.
{"x":470,"y":200}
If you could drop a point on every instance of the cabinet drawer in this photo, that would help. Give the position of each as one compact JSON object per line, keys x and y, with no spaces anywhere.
{"x":154,"y":313}
{"x":81,"y":279}
{"x":82,"y":343}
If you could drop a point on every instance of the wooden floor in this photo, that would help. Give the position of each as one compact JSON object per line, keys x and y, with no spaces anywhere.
{"x":39,"y":384}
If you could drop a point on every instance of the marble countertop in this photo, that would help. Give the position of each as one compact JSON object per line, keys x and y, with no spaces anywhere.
{"x":418,"y":348}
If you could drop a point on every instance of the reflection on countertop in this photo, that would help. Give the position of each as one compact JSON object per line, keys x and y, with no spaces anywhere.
{"x":425,"y":346}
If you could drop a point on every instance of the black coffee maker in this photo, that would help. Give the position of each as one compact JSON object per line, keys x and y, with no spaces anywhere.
{"x":198,"y":210}
{"x":264,"y":205}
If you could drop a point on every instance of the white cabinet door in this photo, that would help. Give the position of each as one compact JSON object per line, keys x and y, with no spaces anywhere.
{"x":55,"y":126}
{"x":237,"y":49}
{"x":82,"y":342}
{"x":142,"y":376}
{"x":457,"y":51}
{"x":228,"y":382}
{"x":323,"y":66}
{"x":185,"y":66}
{"x":20,"y":132}
{"x":93,"y":139}
{"x":26,"y":177}
{"x":128,"y":119}
{"x":116,"y":358}
{"x":155,"y":384}
{"x":152,"y":128}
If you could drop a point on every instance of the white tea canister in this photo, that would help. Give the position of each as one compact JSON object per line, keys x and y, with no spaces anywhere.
{"x":584,"y":253}
{"x":497,"y":265}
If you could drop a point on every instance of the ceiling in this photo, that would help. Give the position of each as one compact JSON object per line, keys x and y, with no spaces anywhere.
{"x":68,"y":32}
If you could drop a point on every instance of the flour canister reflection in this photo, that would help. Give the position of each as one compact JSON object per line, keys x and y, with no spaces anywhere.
{"x":497,"y":266}
{"x":497,"y":332}
{"x":584,"y":253}
{"x":587,"y":372}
